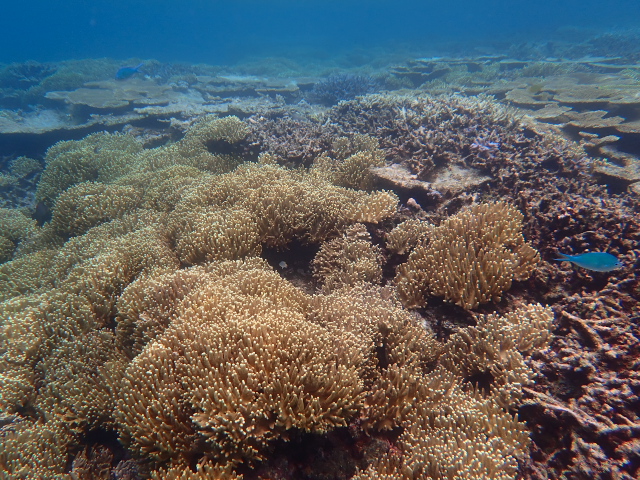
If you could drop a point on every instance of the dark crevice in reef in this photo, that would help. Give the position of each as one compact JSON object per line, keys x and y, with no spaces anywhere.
{"x":333,"y":456}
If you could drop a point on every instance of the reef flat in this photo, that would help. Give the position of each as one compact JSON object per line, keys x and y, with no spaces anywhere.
{"x":211,"y":274}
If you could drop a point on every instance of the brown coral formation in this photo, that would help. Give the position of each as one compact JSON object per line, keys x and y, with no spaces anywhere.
{"x":204,"y":471}
{"x":88,"y":204}
{"x":584,"y":396}
{"x":144,"y":310}
{"x":15,"y":227}
{"x":455,"y":431}
{"x":100,"y":157}
{"x":294,"y":140}
{"x":33,"y":449}
{"x":495,"y":347}
{"x":348,"y":260}
{"x":114,"y":250}
{"x":407,"y":235}
{"x":272,"y":371}
{"x":471,"y":258}
{"x":429,"y":135}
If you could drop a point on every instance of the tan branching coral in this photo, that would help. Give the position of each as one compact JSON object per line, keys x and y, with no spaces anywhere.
{"x":343,"y":147}
{"x":162,"y":189}
{"x":295,"y":374}
{"x":147,"y":306}
{"x":216,"y":357}
{"x":354,"y":158}
{"x":93,"y":464}
{"x":24,"y":166}
{"x":396,"y":348}
{"x":102,"y":278}
{"x":453,"y":433}
{"x":75,"y":380}
{"x":207,"y":234}
{"x":55,"y":365}
{"x":375,"y":318}
{"x":270,"y":372}
{"x":88,"y":204}
{"x":101,"y":157}
{"x":6,"y":249}
{"x":7,"y":180}
{"x":33,"y":449}
{"x":405,"y":236}
{"x":15,"y":227}
{"x":26,"y":274}
{"x":108,"y":158}
{"x":210,"y":135}
{"x":211,"y":129}
{"x":30,"y":329}
{"x":386,"y":467}
{"x":204,"y":471}
{"x":352,"y":172}
{"x":495,"y":347}
{"x":348,"y":260}
{"x":454,"y":430}
{"x":471,"y":258}
{"x":245,"y":288}
{"x":286,"y":205}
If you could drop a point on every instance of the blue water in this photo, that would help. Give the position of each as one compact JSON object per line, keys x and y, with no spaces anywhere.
{"x":217,"y":32}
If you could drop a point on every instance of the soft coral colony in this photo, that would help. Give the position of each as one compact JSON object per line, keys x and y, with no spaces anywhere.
{"x":145,"y":308}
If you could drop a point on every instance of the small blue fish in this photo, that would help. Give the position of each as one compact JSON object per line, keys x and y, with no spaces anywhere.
{"x":597,"y":261}
{"x":127,"y":72}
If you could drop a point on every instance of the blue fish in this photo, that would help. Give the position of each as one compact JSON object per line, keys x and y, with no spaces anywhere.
{"x":127,"y":72}
{"x":597,"y":261}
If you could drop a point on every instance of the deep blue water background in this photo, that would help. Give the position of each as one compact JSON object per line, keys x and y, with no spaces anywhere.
{"x":217,"y":32}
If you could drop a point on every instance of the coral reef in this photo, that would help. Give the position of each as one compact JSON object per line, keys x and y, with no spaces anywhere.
{"x":207,"y":297}
{"x":495,"y":346}
{"x":89,"y":204}
{"x":451,"y":431}
{"x":348,"y":260}
{"x":100,"y":157}
{"x":15,"y":227}
{"x":23,"y":166}
{"x":584,"y":395}
{"x":291,"y":138}
{"x":344,"y":86}
{"x":471,"y":258}
{"x":407,"y":235}
{"x":272,"y":371}
{"x":103,"y":250}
